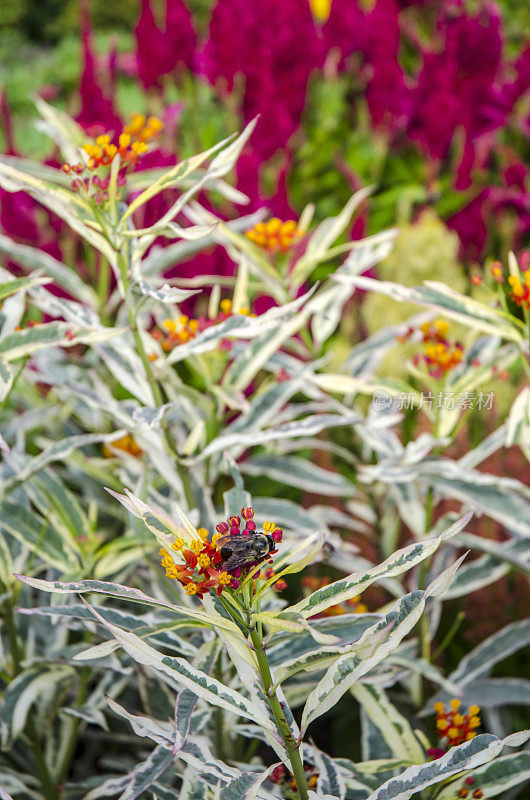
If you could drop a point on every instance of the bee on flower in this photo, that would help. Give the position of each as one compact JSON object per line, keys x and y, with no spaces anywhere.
{"x":219,"y":563}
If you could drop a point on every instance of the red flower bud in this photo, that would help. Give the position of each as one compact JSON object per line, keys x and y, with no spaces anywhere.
{"x":277,"y":535}
{"x":234,"y":531}
{"x":251,"y":525}
{"x":222,"y":528}
{"x":247,"y":513}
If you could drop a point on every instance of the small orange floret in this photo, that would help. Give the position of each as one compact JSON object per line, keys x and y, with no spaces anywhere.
{"x":274,"y":235}
{"x":455,"y":726}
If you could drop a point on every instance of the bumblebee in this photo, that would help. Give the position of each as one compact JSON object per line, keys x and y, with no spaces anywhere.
{"x":242,"y":550}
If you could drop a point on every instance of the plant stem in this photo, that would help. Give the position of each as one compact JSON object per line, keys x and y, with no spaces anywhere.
{"x":291,"y":745}
{"x":103,"y":283}
{"x":153,"y":383}
{"x":48,"y":788}
{"x":12,"y":636}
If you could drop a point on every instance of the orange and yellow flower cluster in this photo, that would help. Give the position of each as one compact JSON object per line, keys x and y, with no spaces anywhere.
{"x":199,"y":569}
{"x":351,"y":606}
{"x":127,"y":444}
{"x":178,"y":331}
{"x":440,"y":355}
{"x":274,"y":235}
{"x":519,"y":283}
{"x":132,"y":143}
{"x":455,"y":727}
{"x":520,"y":289}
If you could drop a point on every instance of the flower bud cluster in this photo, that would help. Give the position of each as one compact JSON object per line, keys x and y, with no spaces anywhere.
{"x":181,"y":330}
{"x":455,"y":727}
{"x":274,"y":235}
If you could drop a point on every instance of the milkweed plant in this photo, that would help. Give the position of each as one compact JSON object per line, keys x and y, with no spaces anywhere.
{"x":226,"y":527}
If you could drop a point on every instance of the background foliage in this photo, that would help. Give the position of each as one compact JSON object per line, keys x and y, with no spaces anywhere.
{"x":277,"y":410}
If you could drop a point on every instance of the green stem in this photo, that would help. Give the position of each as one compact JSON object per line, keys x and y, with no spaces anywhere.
{"x":291,"y":745}
{"x":153,"y":383}
{"x":9,"y":620}
{"x":48,"y":788}
{"x":458,"y":620}
{"x":15,"y":379}
{"x":103,"y":283}
{"x":69,"y":751}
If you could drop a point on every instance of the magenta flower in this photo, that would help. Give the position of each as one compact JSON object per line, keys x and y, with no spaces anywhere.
{"x":387,"y":94}
{"x":97,"y":114}
{"x":160,"y":52}
{"x":273,"y":45}
{"x":345,"y":29}
{"x":460,"y":85}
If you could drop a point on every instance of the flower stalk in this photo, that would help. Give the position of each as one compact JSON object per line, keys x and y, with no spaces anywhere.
{"x":292,"y":746}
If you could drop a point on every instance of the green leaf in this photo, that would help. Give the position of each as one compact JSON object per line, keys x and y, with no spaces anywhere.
{"x":466,"y":756}
{"x":301,"y":473}
{"x":375,"y":644}
{"x":31,"y":258}
{"x":393,"y":726}
{"x":497,"y":777}
{"x":7,"y":288}
{"x":23,"y":692}
{"x":451,"y":304}
{"x":134,"y":595}
{"x":60,"y":334}
{"x":399,"y":562}
{"x":145,"y":774}
{"x":478,"y":662}
{"x":247,"y":786}
{"x":201,"y":684}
